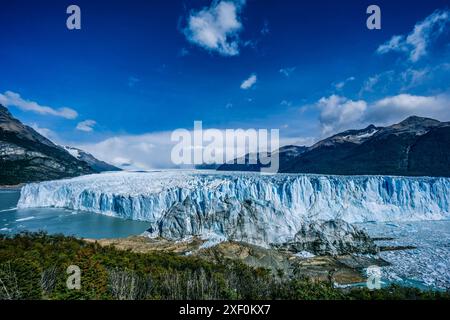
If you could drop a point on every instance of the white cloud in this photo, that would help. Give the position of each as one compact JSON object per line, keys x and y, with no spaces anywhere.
{"x":216,"y":28}
{"x":378,"y":82}
{"x":370,"y":83}
{"x":287,"y":71}
{"x":248,"y":83}
{"x":142,"y":152}
{"x":406,"y":79}
{"x":418,"y":41}
{"x":153,"y":150}
{"x":340,"y":113}
{"x":341,"y":85}
{"x":413,"y":77}
{"x":396,"y":108}
{"x":86,"y":125}
{"x":10,"y":98}
{"x":396,"y":43}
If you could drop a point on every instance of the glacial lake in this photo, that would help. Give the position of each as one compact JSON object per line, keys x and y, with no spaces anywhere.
{"x":427,"y":266}
{"x":68,"y":222}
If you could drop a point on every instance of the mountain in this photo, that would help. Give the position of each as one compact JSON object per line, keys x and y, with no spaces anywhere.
{"x":286,"y":155}
{"x":94,"y":163}
{"x":27,"y":156}
{"x":414,"y":147}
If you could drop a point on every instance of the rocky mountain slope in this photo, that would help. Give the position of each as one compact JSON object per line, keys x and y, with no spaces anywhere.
{"x":343,"y":269}
{"x":286,"y":154}
{"x":94,"y":163}
{"x":414,"y":147}
{"x":27,"y":156}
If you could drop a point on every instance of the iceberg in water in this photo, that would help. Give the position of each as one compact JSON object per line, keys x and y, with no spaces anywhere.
{"x":260,"y":209}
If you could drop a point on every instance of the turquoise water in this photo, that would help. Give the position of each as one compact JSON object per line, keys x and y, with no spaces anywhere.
{"x":67,"y":222}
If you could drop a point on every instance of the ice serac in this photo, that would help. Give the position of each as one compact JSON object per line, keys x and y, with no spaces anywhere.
{"x":260,"y":209}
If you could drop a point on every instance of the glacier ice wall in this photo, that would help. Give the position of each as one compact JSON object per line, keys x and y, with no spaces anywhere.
{"x":243,"y":206}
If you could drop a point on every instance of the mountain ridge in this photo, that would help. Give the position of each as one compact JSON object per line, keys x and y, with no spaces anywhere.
{"x":27,"y":156}
{"x":94,"y":163}
{"x":416,"y":146}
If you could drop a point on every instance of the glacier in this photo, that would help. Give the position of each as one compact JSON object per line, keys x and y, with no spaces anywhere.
{"x":243,"y":206}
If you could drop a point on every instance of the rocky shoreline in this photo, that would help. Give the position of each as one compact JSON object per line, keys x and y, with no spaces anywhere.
{"x":344,"y":269}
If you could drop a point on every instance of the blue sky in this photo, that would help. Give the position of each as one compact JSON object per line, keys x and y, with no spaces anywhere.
{"x":139,"y":69}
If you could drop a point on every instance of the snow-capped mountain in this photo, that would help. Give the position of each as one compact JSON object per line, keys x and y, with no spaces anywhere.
{"x":349,"y":136}
{"x":26,"y":156}
{"x":258,"y":209}
{"x":94,"y":163}
{"x":414,"y":147}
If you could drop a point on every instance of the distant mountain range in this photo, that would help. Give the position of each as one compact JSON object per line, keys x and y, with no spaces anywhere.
{"x":286,"y":154}
{"x":414,"y":147}
{"x":27,"y":156}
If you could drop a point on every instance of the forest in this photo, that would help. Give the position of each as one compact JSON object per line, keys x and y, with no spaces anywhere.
{"x":33,"y":266}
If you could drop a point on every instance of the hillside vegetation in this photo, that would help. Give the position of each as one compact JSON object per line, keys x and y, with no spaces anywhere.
{"x":33,"y":266}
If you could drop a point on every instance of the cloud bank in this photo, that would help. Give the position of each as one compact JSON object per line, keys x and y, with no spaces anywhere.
{"x":339,"y":113}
